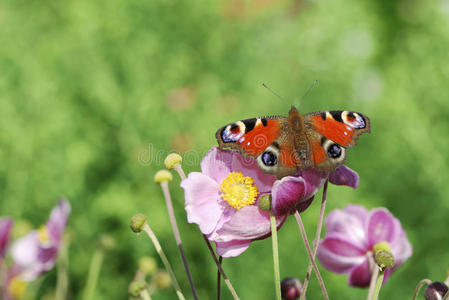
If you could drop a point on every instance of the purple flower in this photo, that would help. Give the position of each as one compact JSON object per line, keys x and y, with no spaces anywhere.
{"x":351,"y":236}
{"x":223,"y":198}
{"x":5,"y":228}
{"x":37,"y":252}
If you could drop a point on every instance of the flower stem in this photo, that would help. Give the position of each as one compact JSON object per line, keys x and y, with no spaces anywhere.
{"x":374,"y":276}
{"x":316,"y":241}
{"x":180,"y":171}
{"x":380,"y":278}
{"x":220,"y":260}
{"x":164,"y":186}
{"x":62,"y":278}
{"x":145,"y":295}
{"x":94,"y":273}
{"x":220,"y":269}
{"x":312,"y":260}
{"x":419,"y":286}
{"x":164,"y":259}
{"x":446,"y":296}
{"x":274,"y":239}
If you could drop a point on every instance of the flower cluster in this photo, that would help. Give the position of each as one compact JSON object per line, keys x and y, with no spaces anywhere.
{"x":32,"y":254}
{"x":223,"y":198}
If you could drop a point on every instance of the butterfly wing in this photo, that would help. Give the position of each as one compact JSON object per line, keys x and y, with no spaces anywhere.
{"x":267,"y":139}
{"x":331,"y":132}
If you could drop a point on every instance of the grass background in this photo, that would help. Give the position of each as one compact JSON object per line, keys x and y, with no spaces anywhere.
{"x":94,"y":94}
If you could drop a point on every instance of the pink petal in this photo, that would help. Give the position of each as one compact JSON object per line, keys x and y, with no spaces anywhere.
{"x":381,"y":226}
{"x":217,"y":163}
{"x":340,"y":246}
{"x":343,"y":175}
{"x":287,"y":193}
{"x":349,"y":222}
{"x":314,"y":180}
{"x":248,"y":223}
{"x":232,"y":248}
{"x":361,"y":275}
{"x":335,"y":262}
{"x":401,"y":248}
{"x":202,"y":201}
{"x":24,"y":250}
{"x":5,"y":229}
{"x":58,"y":219}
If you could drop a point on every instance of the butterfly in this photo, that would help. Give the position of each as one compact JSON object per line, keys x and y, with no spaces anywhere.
{"x":285,"y":145}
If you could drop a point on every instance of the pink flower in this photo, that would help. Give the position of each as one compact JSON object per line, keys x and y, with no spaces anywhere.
{"x":37,"y":252}
{"x":223,"y":198}
{"x":5,"y":228}
{"x":351,"y":235}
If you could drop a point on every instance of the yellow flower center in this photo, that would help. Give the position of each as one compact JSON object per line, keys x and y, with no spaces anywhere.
{"x":17,"y":287}
{"x":42,"y":232}
{"x":238,"y":190}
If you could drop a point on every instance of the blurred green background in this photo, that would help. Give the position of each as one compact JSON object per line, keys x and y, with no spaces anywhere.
{"x":94,"y":94}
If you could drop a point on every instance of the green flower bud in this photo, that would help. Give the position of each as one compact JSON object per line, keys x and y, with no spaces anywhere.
{"x":172,"y":160}
{"x":148,"y":265}
{"x":264,"y":202}
{"x":381,"y":246}
{"x":384,"y":259}
{"x":136,"y":287}
{"x":137,"y":222}
{"x":162,"y":176}
{"x":162,"y":279}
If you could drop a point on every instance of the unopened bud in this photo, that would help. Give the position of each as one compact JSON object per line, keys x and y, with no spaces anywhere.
{"x":384,"y":259}
{"x":148,"y":265}
{"x":291,"y":288}
{"x":162,"y":280}
{"x":264,"y":202}
{"x":381,"y":246}
{"x":107,"y":242}
{"x":137,"y":222}
{"x":172,"y":160}
{"x":436,"y":291}
{"x":162,"y":176}
{"x":136,"y":287}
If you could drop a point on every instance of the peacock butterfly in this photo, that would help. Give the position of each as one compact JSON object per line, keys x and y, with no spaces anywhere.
{"x":284,"y":145}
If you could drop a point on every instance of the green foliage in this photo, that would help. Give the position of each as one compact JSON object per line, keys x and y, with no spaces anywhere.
{"x":90,"y":104}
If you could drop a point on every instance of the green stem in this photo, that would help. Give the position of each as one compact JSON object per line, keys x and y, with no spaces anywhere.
{"x":374,"y":276}
{"x":309,"y":252}
{"x":316,"y":241}
{"x":379,"y":284}
{"x":164,"y":259}
{"x":220,"y":259}
{"x":222,"y":272}
{"x":94,"y":273}
{"x":62,"y":279}
{"x":145,"y":295}
{"x":274,"y":239}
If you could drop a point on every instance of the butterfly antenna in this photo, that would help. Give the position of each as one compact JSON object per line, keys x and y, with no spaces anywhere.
{"x":274,"y":93}
{"x":308,"y":90}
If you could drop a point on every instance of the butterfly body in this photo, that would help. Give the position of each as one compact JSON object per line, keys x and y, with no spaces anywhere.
{"x":284,"y":145}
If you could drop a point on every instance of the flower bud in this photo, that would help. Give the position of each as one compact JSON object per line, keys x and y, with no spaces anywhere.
{"x":107,"y":242}
{"x":162,"y":280}
{"x":137,"y":222}
{"x":163,"y":175}
{"x":291,"y":288}
{"x":136,"y":287}
{"x":148,"y":265}
{"x":384,"y":259}
{"x":264,"y":202}
{"x":381,"y":246}
{"x":436,"y":290}
{"x":172,"y":160}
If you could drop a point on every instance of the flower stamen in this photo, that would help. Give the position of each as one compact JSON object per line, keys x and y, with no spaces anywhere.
{"x":238,"y":190}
